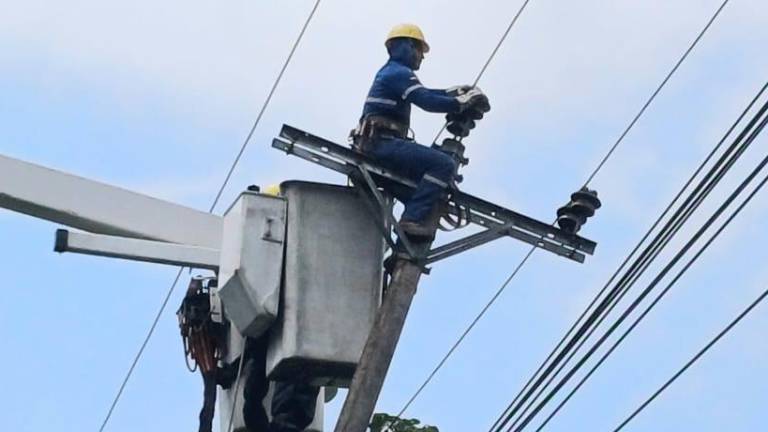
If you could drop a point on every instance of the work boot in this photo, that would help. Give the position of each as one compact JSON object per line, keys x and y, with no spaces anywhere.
{"x":417,"y":230}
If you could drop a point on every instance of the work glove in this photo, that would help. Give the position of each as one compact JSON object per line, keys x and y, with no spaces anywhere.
{"x":458,"y":90}
{"x":474,"y":100}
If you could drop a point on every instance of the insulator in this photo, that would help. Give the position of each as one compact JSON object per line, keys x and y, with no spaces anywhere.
{"x":455,"y":149}
{"x":473,"y":114}
{"x":461,"y":128}
{"x":461,"y":123}
{"x":568,"y":220}
{"x":452,"y":146}
{"x":585,"y":201}
{"x":573,"y":215}
{"x":483,"y":105}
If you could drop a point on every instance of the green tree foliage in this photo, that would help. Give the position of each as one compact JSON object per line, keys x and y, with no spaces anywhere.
{"x":385,"y":423}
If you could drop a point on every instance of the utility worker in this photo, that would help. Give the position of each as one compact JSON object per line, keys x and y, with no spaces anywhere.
{"x":383,"y":129}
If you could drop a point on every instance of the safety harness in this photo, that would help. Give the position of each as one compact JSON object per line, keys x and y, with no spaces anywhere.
{"x":372,"y":127}
{"x":203,"y":342}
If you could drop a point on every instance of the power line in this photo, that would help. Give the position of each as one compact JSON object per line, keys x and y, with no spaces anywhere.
{"x":491,"y":57}
{"x":671,"y":227}
{"x":501,"y":41}
{"x":652,"y":285}
{"x":141,"y":350}
{"x":642,"y":262}
{"x":628,"y":257}
{"x":466,"y":332}
{"x":607,"y":156}
{"x":694,"y":359}
{"x":656,"y":92}
{"x":265,"y":105}
{"x":599,"y":167}
{"x":210,"y":210}
{"x":660,"y":296}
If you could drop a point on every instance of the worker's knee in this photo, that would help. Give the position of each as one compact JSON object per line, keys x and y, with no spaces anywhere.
{"x":444,"y":167}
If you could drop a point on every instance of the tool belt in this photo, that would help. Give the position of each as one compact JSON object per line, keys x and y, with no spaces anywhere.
{"x":373,"y":127}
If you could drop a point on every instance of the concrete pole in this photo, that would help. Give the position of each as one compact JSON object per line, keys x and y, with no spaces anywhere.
{"x":379,"y":349}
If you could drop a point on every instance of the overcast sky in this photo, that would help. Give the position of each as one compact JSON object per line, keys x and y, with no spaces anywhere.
{"x":158,"y":96}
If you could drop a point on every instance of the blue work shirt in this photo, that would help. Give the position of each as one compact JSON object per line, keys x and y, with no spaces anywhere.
{"x":396,"y":87}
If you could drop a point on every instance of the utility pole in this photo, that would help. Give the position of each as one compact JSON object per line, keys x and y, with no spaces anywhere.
{"x":379,"y":349}
{"x":461,"y":209}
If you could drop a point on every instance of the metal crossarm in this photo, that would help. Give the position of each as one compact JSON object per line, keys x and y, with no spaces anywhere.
{"x":391,"y":219}
{"x":496,"y":220}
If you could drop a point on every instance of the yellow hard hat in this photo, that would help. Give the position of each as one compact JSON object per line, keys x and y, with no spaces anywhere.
{"x":273,"y":190}
{"x":409,"y":31}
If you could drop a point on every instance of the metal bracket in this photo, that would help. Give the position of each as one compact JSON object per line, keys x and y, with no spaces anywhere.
{"x":466,"y":243}
{"x":496,"y":220}
{"x":374,"y":190}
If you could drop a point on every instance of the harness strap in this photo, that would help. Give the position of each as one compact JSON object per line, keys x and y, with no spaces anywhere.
{"x":372,"y":127}
{"x":377,"y":125}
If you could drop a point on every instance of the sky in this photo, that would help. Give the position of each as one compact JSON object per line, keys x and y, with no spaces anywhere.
{"x":157,"y":97}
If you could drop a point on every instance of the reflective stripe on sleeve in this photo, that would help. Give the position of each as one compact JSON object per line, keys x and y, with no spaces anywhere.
{"x":381,"y":101}
{"x":410,"y":90}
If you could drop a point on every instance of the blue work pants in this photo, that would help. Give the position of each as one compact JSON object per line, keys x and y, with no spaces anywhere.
{"x":431,"y":169}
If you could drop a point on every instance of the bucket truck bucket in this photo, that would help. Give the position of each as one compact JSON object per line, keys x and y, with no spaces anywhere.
{"x":331,"y":286}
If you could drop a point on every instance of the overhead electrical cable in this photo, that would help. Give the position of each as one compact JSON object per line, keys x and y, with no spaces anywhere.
{"x":210,"y":210}
{"x":628,"y":258}
{"x":237,"y":160}
{"x":491,"y":57}
{"x":141,"y":350}
{"x":465,"y":333}
{"x":681,"y":253}
{"x":655,"y":93}
{"x":631,"y":125}
{"x":693,"y":360}
{"x":265,"y":105}
{"x":644,"y":260}
{"x":658,"y":297}
{"x":501,"y":42}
